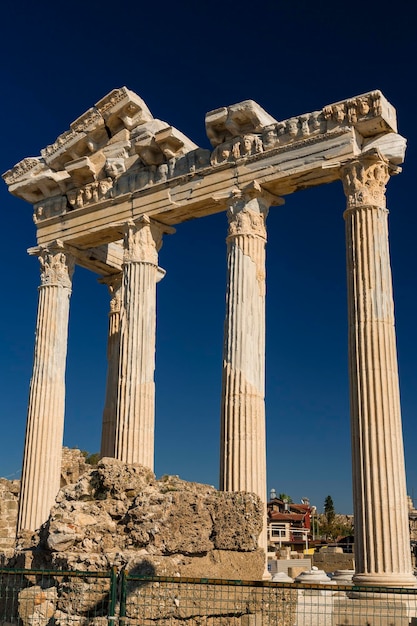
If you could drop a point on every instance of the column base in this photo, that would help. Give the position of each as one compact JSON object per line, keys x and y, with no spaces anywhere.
{"x":368,"y":611}
{"x":385,"y":580}
{"x":267,"y":574}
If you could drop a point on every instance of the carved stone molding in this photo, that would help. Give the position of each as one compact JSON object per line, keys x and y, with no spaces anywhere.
{"x":236,"y":120}
{"x":351,"y":110}
{"x":369,"y":112}
{"x":57,"y":265}
{"x":240,"y":147}
{"x":364,"y":182}
{"x":117,"y":149}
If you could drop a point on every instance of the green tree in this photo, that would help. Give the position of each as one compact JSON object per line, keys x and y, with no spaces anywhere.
{"x":339,"y":527}
{"x":329,"y":511}
{"x":332,"y":525}
{"x":285,"y":497}
{"x":91,"y":459}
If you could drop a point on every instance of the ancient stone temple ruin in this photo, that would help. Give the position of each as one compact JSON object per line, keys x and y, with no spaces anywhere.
{"x":108,"y":190}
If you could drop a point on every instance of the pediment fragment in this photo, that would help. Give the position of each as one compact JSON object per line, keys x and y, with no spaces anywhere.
{"x":122,"y":108}
{"x":236,"y":120}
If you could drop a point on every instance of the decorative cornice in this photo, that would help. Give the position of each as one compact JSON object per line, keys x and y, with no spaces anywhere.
{"x":370,"y":113}
{"x":117,"y":149}
{"x":30,"y":164}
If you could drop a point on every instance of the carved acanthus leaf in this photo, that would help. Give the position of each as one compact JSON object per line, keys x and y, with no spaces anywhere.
{"x":57,"y":265}
{"x":114,"y":285}
{"x":364,"y":182}
{"x":246,"y":221}
{"x":142,"y":241}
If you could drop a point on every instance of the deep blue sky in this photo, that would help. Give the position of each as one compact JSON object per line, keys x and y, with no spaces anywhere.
{"x":184,"y":59}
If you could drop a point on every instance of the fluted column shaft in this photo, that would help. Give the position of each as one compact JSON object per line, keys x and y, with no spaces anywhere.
{"x":382,"y":543}
{"x":41,"y":470}
{"x":108,"y":433}
{"x":135,"y":412}
{"x":243,"y":439}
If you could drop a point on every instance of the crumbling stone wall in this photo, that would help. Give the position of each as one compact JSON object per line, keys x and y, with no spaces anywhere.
{"x":331,"y":561}
{"x":9,"y":495}
{"x":120,"y":514}
{"x":73,"y":466}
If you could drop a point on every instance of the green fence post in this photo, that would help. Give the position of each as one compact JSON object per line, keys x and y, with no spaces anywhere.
{"x":123,"y":594}
{"x":113,"y":596}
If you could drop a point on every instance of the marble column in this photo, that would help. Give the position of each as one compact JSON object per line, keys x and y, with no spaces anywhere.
{"x":135,"y":411}
{"x":243,"y":439}
{"x":382,"y":542}
{"x":41,"y":472}
{"x":108,"y":433}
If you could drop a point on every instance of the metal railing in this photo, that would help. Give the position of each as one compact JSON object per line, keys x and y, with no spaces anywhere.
{"x":64,"y":598}
{"x":39,"y":597}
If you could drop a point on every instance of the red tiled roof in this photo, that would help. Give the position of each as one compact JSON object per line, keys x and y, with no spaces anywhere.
{"x":300,"y":508}
{"x":275,"y":516}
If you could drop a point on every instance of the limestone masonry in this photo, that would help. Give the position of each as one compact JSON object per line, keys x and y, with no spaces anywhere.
{"x":119,"y":514}
{"x":105,"y":194}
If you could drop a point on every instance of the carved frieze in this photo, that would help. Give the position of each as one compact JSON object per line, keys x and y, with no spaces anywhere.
{"x":118,"y":148}
{"x":237,"y":148}
{"x":273,"y":136}
{"x":50,"y":207}
{"x":350,"y":111}
{"x":364,"y":182}
{"x":369,"y":112}
{"x":118,"y":182}
{"x":91,"y":193}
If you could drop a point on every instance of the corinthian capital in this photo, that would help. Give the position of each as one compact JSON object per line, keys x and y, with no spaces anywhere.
{"x":364,"y":182}
{"x":57,"y":265}
{"x":248,"y":210}
{"x":114,"y":284}
{"x":246,"y":221}
{"x":143,"y":239}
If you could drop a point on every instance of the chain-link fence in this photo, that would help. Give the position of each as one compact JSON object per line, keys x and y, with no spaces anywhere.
{"x":40,"y":597}
{"x":46,"y":598}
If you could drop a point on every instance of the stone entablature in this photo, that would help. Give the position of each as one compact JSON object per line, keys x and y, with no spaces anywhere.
{"x":117,"y":153}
